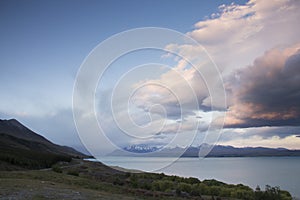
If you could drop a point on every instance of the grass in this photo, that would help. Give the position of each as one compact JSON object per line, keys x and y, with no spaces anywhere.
{"x":51,"y":185}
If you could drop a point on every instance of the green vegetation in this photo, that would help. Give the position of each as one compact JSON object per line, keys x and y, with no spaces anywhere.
{"x":57,"y":168}
{"x":193,"y":187}
{"x":31,"y":160}
{"x":27,"y":154}
{"x":271,"y":193}
{"x":73,"y":172}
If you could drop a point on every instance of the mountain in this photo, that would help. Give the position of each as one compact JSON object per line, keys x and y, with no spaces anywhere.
{"x":19,"y":146}
{"x":230,"y":151}
{"x":214,"y":151}
{"x":142,"y":148}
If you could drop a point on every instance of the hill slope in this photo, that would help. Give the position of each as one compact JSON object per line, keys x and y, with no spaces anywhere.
{"x":19,"y":146}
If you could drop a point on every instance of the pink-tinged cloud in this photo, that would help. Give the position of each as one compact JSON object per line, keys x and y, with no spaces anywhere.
{"x":239,"y":33}
{"x":267,"y":93}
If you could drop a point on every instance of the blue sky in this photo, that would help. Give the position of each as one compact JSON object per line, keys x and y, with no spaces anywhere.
{"x":43,"y":44}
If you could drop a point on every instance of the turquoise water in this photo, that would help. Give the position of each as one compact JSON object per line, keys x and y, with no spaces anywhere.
{"x":251,"y":171}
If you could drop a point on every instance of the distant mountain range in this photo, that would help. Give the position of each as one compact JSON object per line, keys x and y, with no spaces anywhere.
{"x":19,"y":146}
{"x":143,"y":148}
{"x":214,"y":151}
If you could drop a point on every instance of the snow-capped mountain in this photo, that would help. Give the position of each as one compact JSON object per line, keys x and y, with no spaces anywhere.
{"x":142,"y":148}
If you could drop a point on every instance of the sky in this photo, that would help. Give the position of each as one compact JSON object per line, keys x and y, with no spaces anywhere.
{"x":254,"y":44}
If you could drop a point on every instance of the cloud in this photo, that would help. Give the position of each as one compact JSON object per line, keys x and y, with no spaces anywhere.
{"x":265,"y":132}
{"x":179,"y":91}
{"x":266,"y":93}
{"x":234,"y":37}
{"x":290,"y":142}
{"x":240,"y":33}
{"x":146,"y":125}
{"x":261,"y":90}
{"x":273,"y":137}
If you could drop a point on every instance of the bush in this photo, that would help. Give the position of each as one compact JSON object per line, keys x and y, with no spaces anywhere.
{"x":73,"y":173}
{"x":225,"y":192}
{"x":162,"y":185}
{"x":196,"y":190}
{"x":192,"y":180}
{"x":118,"y":181}
{"x":57,"y":169}
{"x":184,"y":187}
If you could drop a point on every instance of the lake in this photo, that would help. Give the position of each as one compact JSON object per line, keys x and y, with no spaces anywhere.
{"x":251,"y":171}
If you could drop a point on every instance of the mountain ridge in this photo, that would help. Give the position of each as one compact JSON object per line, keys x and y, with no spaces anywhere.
{"x":20,"y":146}
{"x":16,"y":129}
{"x":206,"y":150}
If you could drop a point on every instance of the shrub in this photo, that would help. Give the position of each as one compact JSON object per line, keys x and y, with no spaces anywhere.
{"x":184,"y":187}
{"x":57,"y":169}
{"x":162,"y":185}
{"x":73,"y":173}
{"x":196,"y":190}
{"x":192,"y":180}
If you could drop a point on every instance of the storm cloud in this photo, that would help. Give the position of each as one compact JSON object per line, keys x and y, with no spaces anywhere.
{"x":266,"y":93}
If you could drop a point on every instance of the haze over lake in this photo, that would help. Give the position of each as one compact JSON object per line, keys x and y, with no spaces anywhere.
{"x":252,"y":171}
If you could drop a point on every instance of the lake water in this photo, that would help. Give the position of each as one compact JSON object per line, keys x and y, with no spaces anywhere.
{"x":251,"y":171}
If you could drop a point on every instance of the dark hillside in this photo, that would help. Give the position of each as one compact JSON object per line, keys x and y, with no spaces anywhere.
{"x":21,"y":147}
